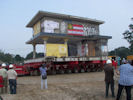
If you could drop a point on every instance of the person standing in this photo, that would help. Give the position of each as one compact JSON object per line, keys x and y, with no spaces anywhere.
{"x":126,"y":79}
{"x":12,"y":77}
{"x":3,"y":73}
{"x":43,"y":72}
{"x":109,"y":77}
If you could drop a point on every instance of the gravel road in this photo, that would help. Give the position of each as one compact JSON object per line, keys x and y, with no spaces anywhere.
{"x":80,"y":86}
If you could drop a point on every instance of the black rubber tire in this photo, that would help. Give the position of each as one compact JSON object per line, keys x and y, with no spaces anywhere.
{"x":99,"y":70}
{"x":35,"y":73}
{"x":82,"y":70}
{"x":31,"y":73}
{"x":88,"y":70}
{"x":75,"y":70}
{"x":53,"y":72}
{"x":61,"y":71}
{"x":68,"y":71}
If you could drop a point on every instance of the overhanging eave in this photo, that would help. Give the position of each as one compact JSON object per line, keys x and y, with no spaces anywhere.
{"x":42,"y":14}
{"x":59,"y":38}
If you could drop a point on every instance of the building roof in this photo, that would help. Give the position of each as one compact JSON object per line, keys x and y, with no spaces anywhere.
{"x":59,"y":38}
{"x":42,"y":14}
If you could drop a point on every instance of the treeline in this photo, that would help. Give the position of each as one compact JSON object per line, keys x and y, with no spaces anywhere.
{"x":16,"y":59}
{"x":122,"y":52}
{"x":9,"y":58}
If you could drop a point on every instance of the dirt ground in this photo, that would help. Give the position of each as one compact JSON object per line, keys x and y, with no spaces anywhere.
{"x":80,"y":86}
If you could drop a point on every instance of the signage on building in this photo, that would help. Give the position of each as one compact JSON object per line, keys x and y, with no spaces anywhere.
{"x":75,"y":29}
{"x":50,"y":26}
{"x":90,"y":30}
{"x":57,"y":50}
{"x":36,"y":28}
{"x":69,"y":27}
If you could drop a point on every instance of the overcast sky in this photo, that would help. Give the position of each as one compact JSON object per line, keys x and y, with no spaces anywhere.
{"x":15,"y":14}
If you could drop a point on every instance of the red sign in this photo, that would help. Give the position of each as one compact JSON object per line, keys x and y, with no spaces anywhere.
{"x":75,"y":29}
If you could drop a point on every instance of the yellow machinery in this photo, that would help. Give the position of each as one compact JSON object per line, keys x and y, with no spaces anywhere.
{"x":130,"y":57}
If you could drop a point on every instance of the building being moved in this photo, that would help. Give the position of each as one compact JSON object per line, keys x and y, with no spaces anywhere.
{"x":71,"y":43}
{"x":67,"y":36}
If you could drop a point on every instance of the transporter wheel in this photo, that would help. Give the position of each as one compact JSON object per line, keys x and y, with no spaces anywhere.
{"x":35,"y":72}
{"x":61,"y":71}
{"x":53,"y":72}
{"x":68,"y":71}
{"x":82,"y":70}
{"x":99,"y":69}
{"x":75,"y":70}
{"x":94,"y":70}
{"x":38,"y":73}
{"x":88,"y":70}
{"x":31,"y":73}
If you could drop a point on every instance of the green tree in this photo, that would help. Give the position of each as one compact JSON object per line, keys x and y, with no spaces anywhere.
{"x":122,"y":52}
{"x":1,"y":55}
{"x":29,"y":55}
{"x":9,"y":58}
{"x":128,"y":35}
{"x":18,"y":58}
{"x":38,"y":55}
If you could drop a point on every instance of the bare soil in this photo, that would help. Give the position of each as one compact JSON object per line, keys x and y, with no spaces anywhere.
{"x":80,"y":86}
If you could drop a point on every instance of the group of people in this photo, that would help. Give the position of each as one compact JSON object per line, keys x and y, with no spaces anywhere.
{"x":8,"y":76}
{"x":125,"y":81}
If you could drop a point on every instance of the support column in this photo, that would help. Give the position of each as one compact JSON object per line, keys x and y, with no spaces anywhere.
{"x":34,"y":51}
{"x":86,"y":49}
{"x":45,"y":42}
{"x":65,"y":42}
{"x":79,"y":49}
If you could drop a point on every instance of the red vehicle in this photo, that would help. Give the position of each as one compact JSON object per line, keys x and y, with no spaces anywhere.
{"x":61,"y":65}
{"x":20,"y":70}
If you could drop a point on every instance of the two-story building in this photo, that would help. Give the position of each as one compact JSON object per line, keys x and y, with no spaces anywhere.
{"x":65,"y":35}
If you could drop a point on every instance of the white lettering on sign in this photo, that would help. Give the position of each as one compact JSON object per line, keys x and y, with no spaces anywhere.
{"x":90,"y":30}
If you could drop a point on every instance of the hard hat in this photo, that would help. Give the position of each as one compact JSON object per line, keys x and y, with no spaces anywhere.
{"x":11,"y":66}
{"x":108,"y":61}
{"x":3,"y":65}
